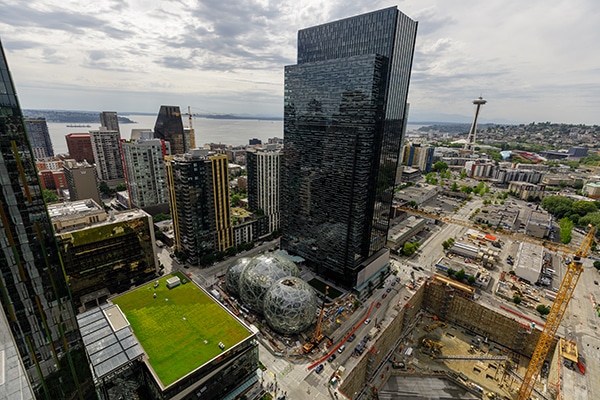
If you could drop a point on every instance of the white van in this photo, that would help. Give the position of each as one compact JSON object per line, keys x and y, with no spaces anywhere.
{"x":342,"y":348}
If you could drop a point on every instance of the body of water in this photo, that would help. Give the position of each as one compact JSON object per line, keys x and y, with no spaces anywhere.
{"x":208,"y":130}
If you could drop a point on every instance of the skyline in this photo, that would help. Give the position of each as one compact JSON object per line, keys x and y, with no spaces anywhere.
{"x":530,"y":62}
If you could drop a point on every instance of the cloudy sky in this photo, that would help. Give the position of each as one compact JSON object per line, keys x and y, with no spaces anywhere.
{"x":535,"y":60}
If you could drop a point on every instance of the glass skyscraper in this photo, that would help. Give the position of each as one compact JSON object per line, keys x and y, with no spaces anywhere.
{"x":344,"y":114}
{"x":34,"y":293}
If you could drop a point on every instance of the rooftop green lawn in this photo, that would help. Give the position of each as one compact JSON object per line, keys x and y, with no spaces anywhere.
{"x":180,"y":329}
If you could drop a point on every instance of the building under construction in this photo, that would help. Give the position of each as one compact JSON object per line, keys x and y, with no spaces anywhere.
{"x":466,"y":347}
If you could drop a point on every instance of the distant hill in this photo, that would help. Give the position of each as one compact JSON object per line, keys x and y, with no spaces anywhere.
{"x":68,"y":116}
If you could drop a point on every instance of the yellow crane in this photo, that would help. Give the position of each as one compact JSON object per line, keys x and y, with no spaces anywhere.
{"x":567,"y":287}
{"x":559,"y":307}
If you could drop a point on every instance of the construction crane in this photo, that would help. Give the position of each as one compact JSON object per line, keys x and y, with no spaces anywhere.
{"x":192,"y":134}
{"x":308,"y":346}
{"x":567,"y":287}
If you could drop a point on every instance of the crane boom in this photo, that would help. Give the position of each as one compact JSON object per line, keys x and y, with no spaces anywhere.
{"x":567,"y":287}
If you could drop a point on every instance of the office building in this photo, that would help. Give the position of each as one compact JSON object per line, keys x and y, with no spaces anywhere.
{"x":39,"y":138}
{"x":182,"y":358}
{"x":263,"y":176}
{"x":103,"y":253}
{"x":169,"y":127}
{"x":145,"y":171}
{"x":82,"y":181}
{"x":110,"y":121}
{"x":80,"y":147}
{"x":35,"y":298}
{"x":199,"y":197}
{"x":106,"y":146}
{"x":344,"y":114}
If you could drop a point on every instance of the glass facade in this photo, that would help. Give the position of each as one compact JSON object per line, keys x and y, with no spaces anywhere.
{"x":33,"y":290}
{"x":344,"y":115}
{"x":169,"y":127}
{"x":39,"y":138}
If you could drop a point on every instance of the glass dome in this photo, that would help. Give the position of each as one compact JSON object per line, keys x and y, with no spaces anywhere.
{"x":260,"y":274}
{"x":290,"y":305}
{"x":232,"y":278}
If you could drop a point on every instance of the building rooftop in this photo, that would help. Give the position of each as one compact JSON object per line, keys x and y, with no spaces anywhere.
{"x":180,"y":329}
{"x":73,"y":209}
{"x":528,"y":264}
{"x":108,"y":339}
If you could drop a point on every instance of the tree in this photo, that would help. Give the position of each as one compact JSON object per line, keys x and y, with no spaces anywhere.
{"x":566,"y":226}
{"x":49,"y":196}
{"x":583,"y":207}
{"x":235,"y":200}
{"x":517,"y":299}
{"x":558,"y":206}
{"x":460,"y":275}
{"x":471,"y":279}
{"x":466,"y":189}
{"x":409,"y":249}
{"x":454,"y":187}
{"x":121,"y":187}
{"x":597,"y":265}
{"x":592,"y":218}
{"x":542,"y":309}
{"x":104,"y":189}
{"x":440,"y":166}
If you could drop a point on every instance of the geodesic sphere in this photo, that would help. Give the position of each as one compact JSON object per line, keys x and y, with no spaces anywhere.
{"x":290,"y":305}
{"x":260,"y":274}
{"x":232,"y":278}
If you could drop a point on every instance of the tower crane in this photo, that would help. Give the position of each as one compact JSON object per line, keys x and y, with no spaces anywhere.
{"x":559,"y":307}
{"x":192,"y":134}
{"x":318,"y":332}
{"x":567,"y":287}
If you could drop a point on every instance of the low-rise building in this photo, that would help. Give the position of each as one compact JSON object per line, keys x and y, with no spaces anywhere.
{"x":527,"y":191}
{"x":400,"y":233}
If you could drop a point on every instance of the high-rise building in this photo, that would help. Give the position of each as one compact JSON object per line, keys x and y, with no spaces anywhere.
{"x":263,"y":174}
{"x":145,"y":170}
{"x":199,"y":197}
{"x":39,"y":138}
{"x":416,"y":155}
{"x":169,"y":127}
{"x":344,"y":113}
{"x":107,"y":153}
{"x":80,"y":147}
{"x":110,"y":121}
{"x":35,"y":296}
{"x":82,"y":181}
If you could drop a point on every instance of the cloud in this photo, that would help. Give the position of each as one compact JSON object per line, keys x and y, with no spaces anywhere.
{"x":527,"y":59}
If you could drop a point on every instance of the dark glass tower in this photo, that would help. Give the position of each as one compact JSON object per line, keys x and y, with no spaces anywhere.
{"x":33,"y":290}
{"x":169,"y":127}
{"x":344,"y":114}
{"x":39,"y":138}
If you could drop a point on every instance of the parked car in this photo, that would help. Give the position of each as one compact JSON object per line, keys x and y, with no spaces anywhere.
{"x":367,"y":321}
{"x":319,"y":368}
{"x":341,"y":349}
{"x":352,"y":337}
{"x":331,"y":357}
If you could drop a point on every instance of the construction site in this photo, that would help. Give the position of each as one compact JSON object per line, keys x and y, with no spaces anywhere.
{"x":441,"y":334}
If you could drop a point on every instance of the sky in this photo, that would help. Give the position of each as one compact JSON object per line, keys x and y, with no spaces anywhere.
{"x":533,"y":61}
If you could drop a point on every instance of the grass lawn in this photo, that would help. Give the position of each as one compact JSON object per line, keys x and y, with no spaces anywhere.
{"x":173,"y":327}
{"x":320,"y":286}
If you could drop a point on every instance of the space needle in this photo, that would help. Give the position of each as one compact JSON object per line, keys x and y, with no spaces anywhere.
{"x":470,"y":145}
